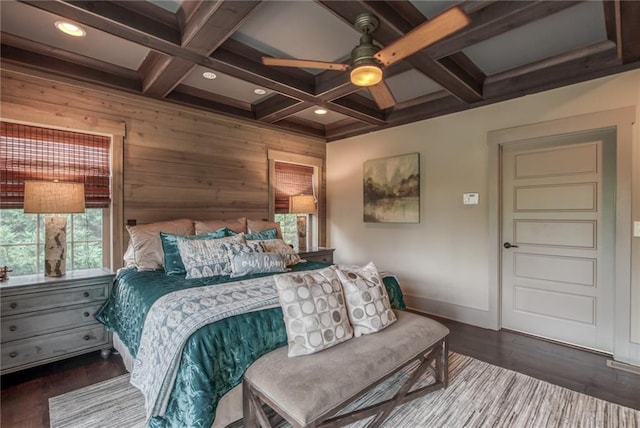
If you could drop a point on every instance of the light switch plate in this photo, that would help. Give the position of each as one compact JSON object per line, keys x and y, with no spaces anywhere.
{"x":470,"y":198}
{"x":636,"y":229}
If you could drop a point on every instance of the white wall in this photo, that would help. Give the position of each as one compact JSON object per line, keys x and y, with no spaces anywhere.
{"x":442,"y":262}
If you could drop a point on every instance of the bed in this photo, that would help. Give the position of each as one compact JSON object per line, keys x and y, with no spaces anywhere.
{"x":212,"y":360}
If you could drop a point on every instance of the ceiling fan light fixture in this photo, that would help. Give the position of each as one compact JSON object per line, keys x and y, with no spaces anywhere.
{"x":366,"y":75}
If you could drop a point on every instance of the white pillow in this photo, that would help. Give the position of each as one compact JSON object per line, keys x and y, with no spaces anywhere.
{"x":313,"y":308}
{"x":366,"y":299}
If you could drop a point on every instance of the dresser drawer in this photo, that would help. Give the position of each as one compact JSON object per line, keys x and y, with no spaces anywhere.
{"x":30,"y":302}
{"x":325,"y":258}
{"x":32,"y":324}
{"x":27,"y":351}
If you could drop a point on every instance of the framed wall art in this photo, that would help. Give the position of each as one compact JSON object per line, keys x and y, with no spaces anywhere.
{"x":392,"y":189}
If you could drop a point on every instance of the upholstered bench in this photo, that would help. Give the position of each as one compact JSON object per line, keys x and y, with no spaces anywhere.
{"x":309,"y":390}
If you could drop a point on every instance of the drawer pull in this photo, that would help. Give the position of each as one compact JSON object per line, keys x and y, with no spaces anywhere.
{"x":13,"y":328}
{"x":87,"y":337}
{"x":86,"y":314}
{"x":13,"y":305}
{"x":13,"y":354}
{"x":86,"y":294}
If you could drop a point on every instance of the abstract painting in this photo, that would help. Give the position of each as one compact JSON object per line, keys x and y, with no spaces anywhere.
{"x":392,"y":189}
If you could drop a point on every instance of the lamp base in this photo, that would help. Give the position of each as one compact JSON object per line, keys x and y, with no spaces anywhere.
{"x":301,"y":225}
{"x":55,"y":246}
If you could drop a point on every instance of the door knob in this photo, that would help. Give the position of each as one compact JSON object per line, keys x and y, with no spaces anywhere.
{"x":508,"y":245}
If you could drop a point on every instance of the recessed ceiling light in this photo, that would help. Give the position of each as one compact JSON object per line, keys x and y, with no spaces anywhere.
{"x":209,"y":75}
{"x":320,"y":111}
{"x":70,"y":29}
{"x":259,"y":91}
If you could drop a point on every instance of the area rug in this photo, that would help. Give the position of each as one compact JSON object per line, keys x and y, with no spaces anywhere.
{"x":479,"y":395}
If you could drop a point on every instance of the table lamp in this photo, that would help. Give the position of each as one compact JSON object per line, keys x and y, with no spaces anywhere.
{"x":303,"y":205}
{"x":54,"y":197}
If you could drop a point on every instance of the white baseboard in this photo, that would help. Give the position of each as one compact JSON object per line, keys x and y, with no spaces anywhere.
{"x":450,"y":311}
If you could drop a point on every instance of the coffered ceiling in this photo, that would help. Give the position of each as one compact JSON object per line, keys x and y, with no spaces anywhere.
{"x":162,"y":49}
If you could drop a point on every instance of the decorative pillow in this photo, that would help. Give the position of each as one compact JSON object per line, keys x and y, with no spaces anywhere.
{"x":244,"y":247}
{"x":147,"y":247}
{"x":367,"y":300}
{"x":314,"y":313}
{"x":255,"y":226}
{"x":280,"y":247}
{"x":250,"y":263}
{"x":129,"y":257}
{"x":238,"y":226}
{"x":172,"y":261}
{"x":265,"y":234}
{"x":206,"y":257}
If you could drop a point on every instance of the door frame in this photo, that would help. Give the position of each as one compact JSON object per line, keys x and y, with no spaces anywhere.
{"x":621,"y":120}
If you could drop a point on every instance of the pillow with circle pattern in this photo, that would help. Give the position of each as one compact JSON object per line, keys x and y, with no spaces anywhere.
{"x":315,"y":316}
{"x":366,"y":299}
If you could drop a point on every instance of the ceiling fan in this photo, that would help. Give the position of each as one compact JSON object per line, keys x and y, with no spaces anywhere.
{"x":368,"y":59}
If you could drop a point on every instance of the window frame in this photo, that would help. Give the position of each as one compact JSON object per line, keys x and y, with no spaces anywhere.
{"x":317,"y":222}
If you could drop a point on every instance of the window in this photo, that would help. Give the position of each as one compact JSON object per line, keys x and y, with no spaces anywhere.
{"x":35,"y":153}
{"x":290,"y":180}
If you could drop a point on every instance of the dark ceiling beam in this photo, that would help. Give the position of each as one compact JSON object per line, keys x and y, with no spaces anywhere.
{"x":494,"y":19}
{"x":348,"y":130}
{"x":622,"y":19}
{"x":67,"y":56}
{"x":210,"y":96}
{"x":393,"y":26}
{"x":210,"y":25}
{"x":278,"y":107}
{"x":79,"y":69}
{"x":208,"y":104}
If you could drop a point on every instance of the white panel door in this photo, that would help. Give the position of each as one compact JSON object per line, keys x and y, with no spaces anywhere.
{"x":557,"y":272}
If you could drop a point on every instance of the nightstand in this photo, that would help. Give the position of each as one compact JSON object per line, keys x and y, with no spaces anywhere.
{"x":320,"y":254}
{"x":45,"y":319}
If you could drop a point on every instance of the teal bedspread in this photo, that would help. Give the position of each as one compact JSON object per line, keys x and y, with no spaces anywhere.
{"x":216,"y":356}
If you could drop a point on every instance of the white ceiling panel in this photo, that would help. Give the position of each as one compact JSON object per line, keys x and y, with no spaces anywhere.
{"x":224,"y":85}
{"x":170,"y":5}
{"x":431,"y":8}
{"x":325,"y":119}
{"x":298,"y":29}
{"x":96,"y":44}
{"x":572,"y":28}
{"x":408,"y":85}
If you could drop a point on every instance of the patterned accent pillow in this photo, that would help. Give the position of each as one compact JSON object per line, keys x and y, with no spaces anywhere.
{"x":172,"y":261}
{"x":206,"y":257}
{"x":367,"y":300}
{"x":280,"y":247}
{"x":235,"y":248}
{"x":250,"y":263}
{"x":315,"y":316}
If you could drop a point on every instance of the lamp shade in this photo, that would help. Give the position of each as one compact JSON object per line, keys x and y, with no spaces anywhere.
{"x":53,"y":197}
{"x":302,"y":204}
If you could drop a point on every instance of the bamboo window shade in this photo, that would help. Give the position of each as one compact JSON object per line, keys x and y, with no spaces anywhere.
{"x":34,"y":153}
{"x":291,"y":180}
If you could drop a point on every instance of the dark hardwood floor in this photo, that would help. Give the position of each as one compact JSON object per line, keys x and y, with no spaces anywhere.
{"x":24,"y":400}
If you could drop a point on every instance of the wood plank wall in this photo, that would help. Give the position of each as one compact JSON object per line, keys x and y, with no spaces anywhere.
{"x":178,"y":162}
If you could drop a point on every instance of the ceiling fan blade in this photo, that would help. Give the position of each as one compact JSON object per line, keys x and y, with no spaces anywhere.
{"x":382,"y":95}
{"x":303,"y":63}
{"x":423,"y":35}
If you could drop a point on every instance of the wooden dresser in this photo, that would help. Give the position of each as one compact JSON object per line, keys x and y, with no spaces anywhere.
{"x":320,"y":254}
{"x":45,"y":319}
